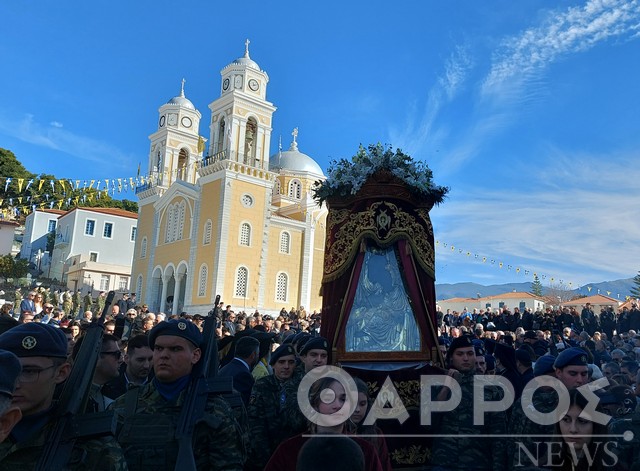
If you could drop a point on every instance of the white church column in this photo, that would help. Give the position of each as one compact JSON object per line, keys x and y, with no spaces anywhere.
{"x":163,"y":296}
{"x":176,"y":292}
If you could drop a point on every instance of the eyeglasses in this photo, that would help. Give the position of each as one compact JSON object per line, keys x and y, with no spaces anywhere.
{"x":117,"y":354}
{"x":31,"y":375}
{"x":48,"y":307}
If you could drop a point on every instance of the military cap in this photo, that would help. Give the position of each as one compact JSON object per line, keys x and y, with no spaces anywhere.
{"x":35,"y":340}
{"x":267,"y":317}
{"x":315,"y":343}
{"x":571,"y":356}
{"x":544,"y":365}
{"x":530,"y":334}
{"x":198,"y":317}
{"x":281,"y":351}
{"x":9,"y":372}
{"x":460,"y":342}
{"x":287,"y":339}
{"x":179,"y":328}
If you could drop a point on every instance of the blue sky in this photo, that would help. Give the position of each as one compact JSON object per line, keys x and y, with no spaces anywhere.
{"x":528,"y":110}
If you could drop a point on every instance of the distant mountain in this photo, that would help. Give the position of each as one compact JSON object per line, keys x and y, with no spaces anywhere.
{"x":471,"y":290}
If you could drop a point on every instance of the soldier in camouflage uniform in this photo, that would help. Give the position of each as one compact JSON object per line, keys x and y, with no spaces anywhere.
{"x":147,"y":416}
{"x":42,"y":351}
{"x":451,"y":452}
{"x":528,"y":434}
{"x":77,"y":302}
{"x":313,"y":354}
{"x":67,"y":303}
{"x":268,"y":397}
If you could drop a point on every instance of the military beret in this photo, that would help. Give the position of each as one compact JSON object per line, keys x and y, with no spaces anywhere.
{"x":287,"y":338}
{"x":281,"y":351}
{"x":530,"y":334}
{"x":9,"y":372}
{"x":198,"y":317}
{"x":523,"y":356}
{"x":544,"y":365}
{"x":460,"y":342}
{"x":35,"y":340}
{"x":571,"y":356}
{"x":315,"y":343}
{"x":179,"y":328}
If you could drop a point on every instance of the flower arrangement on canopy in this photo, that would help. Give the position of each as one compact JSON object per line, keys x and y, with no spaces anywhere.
{"x":346,"y":177}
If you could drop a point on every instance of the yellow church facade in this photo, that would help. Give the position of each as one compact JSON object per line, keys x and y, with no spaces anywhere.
{"x":233,"y":220}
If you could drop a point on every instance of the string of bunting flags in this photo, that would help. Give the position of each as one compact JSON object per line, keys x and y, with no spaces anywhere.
{"x":89,"y":189}
{"x":518,"y":270}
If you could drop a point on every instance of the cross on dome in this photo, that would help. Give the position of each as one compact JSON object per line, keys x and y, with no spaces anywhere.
{"x":182,"y":88}
{"x":294,"y":144}
{"x":246,"y":48}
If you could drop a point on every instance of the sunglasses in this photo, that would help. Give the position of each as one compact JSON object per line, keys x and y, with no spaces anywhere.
{"x":117,"y":354}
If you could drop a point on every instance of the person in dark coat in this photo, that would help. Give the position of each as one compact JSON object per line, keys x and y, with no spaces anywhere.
{"x":246,"y":356}
{"x":506,"y":366}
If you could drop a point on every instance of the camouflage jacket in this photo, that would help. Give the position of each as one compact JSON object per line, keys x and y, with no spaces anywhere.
{"x":146,"y":432}
{"x":100,"y":454}
{"x":456,"y":448}
{"x":529,"y":435}
{"x":266,"y":426}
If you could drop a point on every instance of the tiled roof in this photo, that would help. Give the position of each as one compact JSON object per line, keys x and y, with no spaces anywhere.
{"x":112,"y":211}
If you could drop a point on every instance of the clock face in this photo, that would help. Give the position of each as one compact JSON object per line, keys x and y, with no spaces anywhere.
{"x":172,"y":119}
{"x":161,"y":123}
{"x":254,"y":85}
{"x":186,"y":122}
{"x":225,"y":84}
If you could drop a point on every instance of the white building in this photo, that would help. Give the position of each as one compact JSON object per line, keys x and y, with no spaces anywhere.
{"x":37,"y":227}
{"x":7,"y":236}
{"x":492,"y":303}
{"x":94,"y":249}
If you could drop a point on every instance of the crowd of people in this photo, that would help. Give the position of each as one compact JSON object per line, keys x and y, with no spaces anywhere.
{"x":254,"y":420}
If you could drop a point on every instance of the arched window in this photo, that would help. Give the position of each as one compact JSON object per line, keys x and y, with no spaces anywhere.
{"x":295,"y":189}
{"x":139,"y":287}
{"x":202,"y":285}
{"x":183,"y":165}
{"x":250,"y":139}
{"x":242,"y":279}
{"x":245,"y":234}
{"x":285,"y":242}
{"x":169,"y":227}
{"x":206,"y":239}
{"x":221,"y":135}
{"x":180,"y":222}
{"x":282,"y":285}
{"x":143,"y":248}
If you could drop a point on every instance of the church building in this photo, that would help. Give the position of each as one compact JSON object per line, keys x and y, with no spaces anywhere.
{"x":234,"y":220}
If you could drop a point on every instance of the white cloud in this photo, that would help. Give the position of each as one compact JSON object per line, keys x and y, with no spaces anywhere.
{"x":57,"y":138}
{"x":56,"y":124}
{"x":576,"y":225}
{"x":574,"y":30}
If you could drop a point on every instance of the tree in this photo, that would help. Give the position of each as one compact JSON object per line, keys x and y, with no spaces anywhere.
{"x":536,"y":286}
{"x":635,"y":291}
{"x":13,"y":268}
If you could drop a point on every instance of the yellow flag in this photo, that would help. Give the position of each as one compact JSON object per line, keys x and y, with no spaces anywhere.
{"x":62,"y":184}
{"x":40,"y":183}
{"x":20,"y":199}
{"x":20,"y":183}
{"x":60,"y":204}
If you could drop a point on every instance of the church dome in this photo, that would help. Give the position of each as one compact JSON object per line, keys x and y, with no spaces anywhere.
{"x":246,"y":60}
{"x":181,"y":100}
{"x":294,"y":160}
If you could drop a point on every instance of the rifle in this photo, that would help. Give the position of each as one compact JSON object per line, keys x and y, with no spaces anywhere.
{"x":70,"y":423}
{"x":203,"y":382}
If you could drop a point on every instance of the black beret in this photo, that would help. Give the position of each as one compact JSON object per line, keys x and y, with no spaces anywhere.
{"x":198,"y":317}
{"x":35,"y":340}
{"x":523,"y":356}
{"x":281,"y":351}
{"x":530,"y":334}
{"x":179,"y":328}
{"x":315,"y":343}
{"x":544,"y":365}
{"x":9,"y":372}
{"x":460,"y":342}
{"x":571,"y":356}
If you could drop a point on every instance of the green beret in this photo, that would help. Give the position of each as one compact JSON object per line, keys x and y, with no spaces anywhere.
{"x":571,"y":356}
{"x":9,"y":372}
{"x":282,"y":351}
{"x":178,"y":327}
{"x":35,"y":340}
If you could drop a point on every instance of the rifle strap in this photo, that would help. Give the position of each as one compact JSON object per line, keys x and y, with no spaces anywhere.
{"x":131,"y":401}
